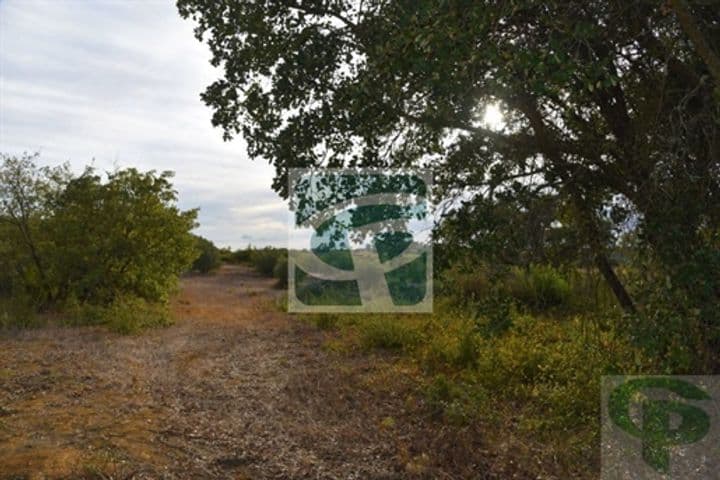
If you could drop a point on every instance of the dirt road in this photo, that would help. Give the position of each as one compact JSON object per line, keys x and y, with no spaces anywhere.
{"x":234,"y":390}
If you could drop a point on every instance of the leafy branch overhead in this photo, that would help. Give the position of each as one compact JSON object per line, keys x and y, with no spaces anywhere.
{"x":611,"y":107}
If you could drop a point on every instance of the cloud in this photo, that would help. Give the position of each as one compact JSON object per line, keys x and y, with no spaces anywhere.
{"x":117,"y":84}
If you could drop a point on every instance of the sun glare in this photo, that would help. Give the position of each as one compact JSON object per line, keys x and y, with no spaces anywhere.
{"x":493,"y":117}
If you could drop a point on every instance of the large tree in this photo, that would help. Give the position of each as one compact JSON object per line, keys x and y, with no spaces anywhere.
{"x":605,"y":103}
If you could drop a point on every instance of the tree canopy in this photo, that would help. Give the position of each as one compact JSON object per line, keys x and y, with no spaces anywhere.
{"x":612,"y":106}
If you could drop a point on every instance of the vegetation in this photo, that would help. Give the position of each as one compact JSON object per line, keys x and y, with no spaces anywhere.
{"x":280,"y":272}
{"x":80,"y":240}
{"x":210,"y":257}
{"x":610,"y":126}
{"x":530,"y":376}
{"x":264,"y":260}
{"x":580,"y":235}
{"x":268,"y":262}
{"x":241,"y":255}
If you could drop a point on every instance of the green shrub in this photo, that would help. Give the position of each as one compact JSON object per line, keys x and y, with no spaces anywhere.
{"x":124,"y":315}
{"x":209,"y":258}
{"x":226,"y":254}
{"x":281,"y":272}
{"x":448,"y":341}
{"x":530,"y":378}
{"x":589,"y":292}
{"x":130,"y":315}
{"x":242,"y":255}
{"x":265,"y":259}
{"x":18,"y":313}
{"x":467,"y":286}
{"x":392,"y":333}
{"x":456,"y":399}
{"x":92,"y":236}
{"x":554,"y":370}
{"x":538,"y":287}
{"x":494,"y":314}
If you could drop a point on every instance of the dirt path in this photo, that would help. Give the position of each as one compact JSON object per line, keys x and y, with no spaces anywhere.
{"x":234,"y":390}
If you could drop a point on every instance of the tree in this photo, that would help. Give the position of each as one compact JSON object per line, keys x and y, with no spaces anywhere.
{"x":511,"y":229}
{"x":26,"y":195}
{"x":122,"y":236}
{"x":93,"y":240}
{"x":606,"y":103}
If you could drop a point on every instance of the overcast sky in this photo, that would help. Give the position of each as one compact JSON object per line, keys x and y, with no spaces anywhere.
{"x":117,"y":84}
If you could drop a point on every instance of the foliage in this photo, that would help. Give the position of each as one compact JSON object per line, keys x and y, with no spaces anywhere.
{"x":537,"y":382}
{"x":458,"y":400}
{"x":27,"y":196}
{"x":125,"y":315}
{"x":538,"y":286}
{"x":265,"y":259}
{"x":513,"y":229}
{"x":281,"y":272}
{"x":210,"y":256}
{"x":18,"y":313}
{"x":392,"y":333}
{"x":124,"y":236}
{"x":241,"y":255}
{"x":81,"y":238}
{"x":610,"y":123}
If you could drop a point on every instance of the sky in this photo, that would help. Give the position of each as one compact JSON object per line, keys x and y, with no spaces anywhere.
{"x":117,"y":84}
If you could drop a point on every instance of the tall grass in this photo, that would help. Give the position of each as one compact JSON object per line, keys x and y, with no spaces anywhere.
{"x":515,"y":350}
{"x":537,"y":288}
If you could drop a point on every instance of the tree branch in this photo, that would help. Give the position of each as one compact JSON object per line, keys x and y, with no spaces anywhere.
{"x":692,"y":30}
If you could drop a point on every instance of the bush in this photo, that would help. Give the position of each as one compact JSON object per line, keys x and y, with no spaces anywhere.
{"x":265,"y":259}
{"x":125,"y":315}
{"x":391,"y":333}
{"x":226,"y":255}
{"x":456,"y":399}
{"x":538,"y":287}
{"x":281,"y":272}
{"x":210,"y":256}
{"x":18,"y":313}
{"x":536,"y":379}
{"x":465,"y":285}
{"x":242,"y":255}
{"x":93,"y":237}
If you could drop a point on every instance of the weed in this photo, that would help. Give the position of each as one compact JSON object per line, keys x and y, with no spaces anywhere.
{"x":385,"y":332}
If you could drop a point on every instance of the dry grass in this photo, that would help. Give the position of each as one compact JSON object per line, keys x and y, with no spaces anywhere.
{"x":234,"y":389}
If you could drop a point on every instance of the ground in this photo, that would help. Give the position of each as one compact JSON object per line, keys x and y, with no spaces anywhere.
{"x":235,"y":389}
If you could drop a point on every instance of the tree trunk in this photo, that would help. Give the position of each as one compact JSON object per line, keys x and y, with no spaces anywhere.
{"x":621,"y":294}
{"x":590,"y":230}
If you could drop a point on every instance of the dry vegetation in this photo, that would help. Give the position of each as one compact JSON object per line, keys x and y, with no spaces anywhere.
{"x":234,"y":389}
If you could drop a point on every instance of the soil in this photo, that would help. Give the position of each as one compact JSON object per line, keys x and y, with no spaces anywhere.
{"x":235,"y":389}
